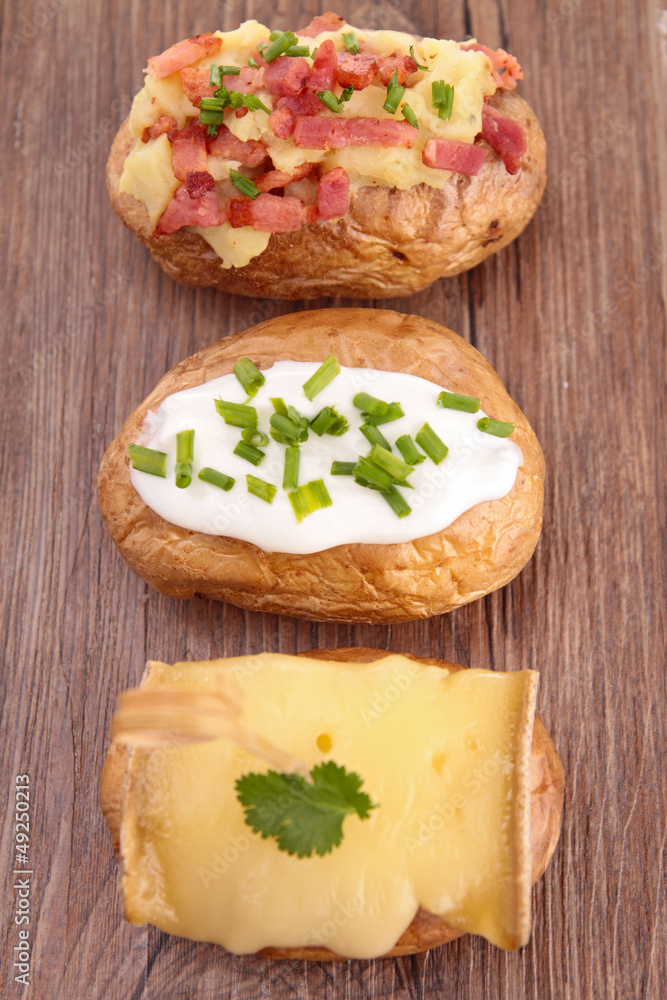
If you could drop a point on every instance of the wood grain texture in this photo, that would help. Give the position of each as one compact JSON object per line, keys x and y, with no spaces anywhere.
{"x":572,"y":316}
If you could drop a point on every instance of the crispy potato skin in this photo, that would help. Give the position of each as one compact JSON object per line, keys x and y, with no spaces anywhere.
{"x":482,"y":550}
{"x":390,"y":243}
{"x":426,"y":930}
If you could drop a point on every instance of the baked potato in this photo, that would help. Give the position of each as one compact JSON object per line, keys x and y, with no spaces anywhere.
{"x":425,"y":571}
{"x":544,"y":783}
{"x":298,"y":198}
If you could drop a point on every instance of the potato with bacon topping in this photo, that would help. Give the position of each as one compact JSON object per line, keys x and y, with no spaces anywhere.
{"x":326,"y":161}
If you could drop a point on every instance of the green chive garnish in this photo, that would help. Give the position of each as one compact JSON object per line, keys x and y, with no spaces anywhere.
{"x":217,"y":72}
{"x":253,"y":436}
{"x":397,"y":502}
{"x":253,"y":103}
{"x":291,"y":473}
{"x":328,"y":421}
{"x":275,"y":34}
{"x":285,"y":429}
{"x":249,"y":452}
{"x":237,"y":414}
{"x":443,"y":98}
{"x":211,"y":118}
{"x":148,"y":460}
{"x":342,"y":468}
{"x":330,"y":101}
{"x":367,"y":473}
{"x":410,"y":116}
{"x":321,"y":378}
{"x":412,"y":53}
{"x":395,"y":466}
{"x":369,"y":404}
{"x":279,"y":46}
{"x":244,"y":185}
{"x":495,"y":427}
{"x":309,"y":497}
{"x":298,"y":50}
{"x":279,"y":405}
{"x":394,"y":95}
{"x":253,"y":62}
{"x":347,"y":94}
{"x":185,"y":451}
{"x":249,"y":376}
{"x":216,"y":478}
{"x":350,"y":42}
{"x":260,"y":488}
{"x":374,"y":436}
{"x":455,"y":401}
{"x":428,"y":441}
{"x":408,"y":450}
{"x":394,"y":412}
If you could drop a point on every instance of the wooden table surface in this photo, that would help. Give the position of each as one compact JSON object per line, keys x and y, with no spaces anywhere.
{"x":572,"y":315}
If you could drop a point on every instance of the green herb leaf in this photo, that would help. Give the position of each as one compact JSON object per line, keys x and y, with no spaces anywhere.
{"x":394,"y":95}
{"x":428,"y":441}
{"x":321,"y":378}
{"x":216,"y":478}
{"x":148,"y":460}
{"x":455,"y":401}
{"x":308,"y":498}
{"x":304,"y":817}
{"x":343,"y":468}
{"x":249,"y":376}
{"x":496,"y":427}
{"x":279,"y":46}
{"x":412,"y":53}
{"x":260,"y":488}
{"x":350,"y":42}
{"x":330,"y":101}
{"x":244,"y":185}
{"x":237,"y":414}
{"x":185,"y":445}
{"x":443,"y":98}
{"x":410,"y":116}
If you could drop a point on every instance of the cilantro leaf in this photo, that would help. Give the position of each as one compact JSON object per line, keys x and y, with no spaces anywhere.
{"x":303,"y":816}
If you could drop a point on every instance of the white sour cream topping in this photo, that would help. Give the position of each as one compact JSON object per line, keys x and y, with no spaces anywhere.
{"x":478,"y":468}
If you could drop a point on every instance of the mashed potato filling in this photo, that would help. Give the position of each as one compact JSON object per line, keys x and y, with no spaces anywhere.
{"x":445,"y":755}
{"x":147,"y":177}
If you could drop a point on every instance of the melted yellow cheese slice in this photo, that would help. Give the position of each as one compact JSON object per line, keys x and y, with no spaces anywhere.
{"x":446,"y":756}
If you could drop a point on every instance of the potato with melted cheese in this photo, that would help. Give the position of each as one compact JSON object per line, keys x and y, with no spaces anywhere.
{"x":420,"y":167}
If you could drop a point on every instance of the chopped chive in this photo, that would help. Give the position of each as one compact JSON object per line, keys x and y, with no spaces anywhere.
{"x":249,"y":376}
{"x":328,"y":421}
{"x":216,"y":478}
{"x":275,"y":34}
{"x":249,"y":452}
{"x":394,"y":412}
{"x":346,"y":95}
{"x":321,"y":378}
{"x":397,"y":502}
{"x":394,"y":95}
{"x":342,"y":468}
{"x":286,"y":430}
{"x":253,"y":103}
{"x":236,"y":99}
{"x":308,"y":498}
{"x":185,"y":453}
{"x":279,"y":46}
{"x":212,"y":130}
{"x":260,"y":488}
{"x":278,"y":405}
{"x":213,"y":103}
{"x":244,"y":184}
{"x":252,"y":436}
{"x":442,"y":95}
{"x":350,"y":42}
{"x":410,"y":116}
{"x":237,"y":414}
{"x":428,"y":441}
{"x":211,"y":118}
{"x":148,"y":460}
{"x":291,"y":473}
{"x":412,"y":53}
{"x":395,"y":466}
{"x":298,"y":50}
{"x":214,"y":75}
{"x":495,"y":427}
{"x":253,"y":62}
{"x":408,"y":450}
{"x":330,"y":101}
{"x":374,"y":436}
{"x":367,"y":473}
{"x":369,"y":404}
{"x":455,"y":401}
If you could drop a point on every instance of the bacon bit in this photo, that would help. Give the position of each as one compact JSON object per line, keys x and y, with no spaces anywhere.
{"x":195,"y":85}
{"x":305,"y":103}
{"x":500,"y":60}
{"x":405,"y":66}
{"x":333,"y":193}
{"x":279,"y":179}
{"x":325,"y":67}
{"x":282,"y":122}
{"x":183,"y":210}
{"x":188,"y":150}
{"x":241,"y":112}
{"x":164,"y":124}
{"x":198,"y":182}
{"x":225,"y":144}
{"x":506,"y":135}
{"x":286,"y":76}
{"x":335,"y":133}
{"x":450,"y":154}
{"x":325,"y":22}
{"x":269,"y":213}
{"x":356,"y":71}
{"x":183,"y":54}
